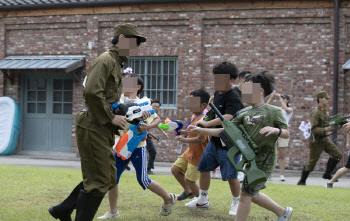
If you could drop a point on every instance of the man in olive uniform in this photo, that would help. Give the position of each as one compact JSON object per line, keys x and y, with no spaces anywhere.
{"x":96,"y":126}
{"x":319,"y":140}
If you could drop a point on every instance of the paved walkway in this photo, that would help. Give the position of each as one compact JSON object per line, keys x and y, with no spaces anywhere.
{"x":161,"y":168}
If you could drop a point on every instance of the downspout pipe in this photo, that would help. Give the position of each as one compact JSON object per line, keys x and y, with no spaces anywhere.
{"x":336,"y":62}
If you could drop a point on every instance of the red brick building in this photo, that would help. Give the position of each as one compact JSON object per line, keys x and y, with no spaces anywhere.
{"x":294,"y":40}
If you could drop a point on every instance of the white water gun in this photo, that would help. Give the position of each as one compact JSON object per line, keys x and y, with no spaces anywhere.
{"x":143,"y":105}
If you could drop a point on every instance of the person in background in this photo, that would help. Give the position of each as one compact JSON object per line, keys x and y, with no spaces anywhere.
{"x":138,"y":158}
{"x":150,"y":146}
{"x":185,"y":167}
{"x":319,"y":140}
{"x":215,"y":154}
{"x":282,"y":143}
{"x":342,"y":171}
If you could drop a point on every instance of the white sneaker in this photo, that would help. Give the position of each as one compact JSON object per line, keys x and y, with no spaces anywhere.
{"x":282,"y":178}
{"x":168,"y":208}
{"x":233,"y":210}
{"x":286,"y":216}
{"x":109,"y":215}
{"x":196,"y":204}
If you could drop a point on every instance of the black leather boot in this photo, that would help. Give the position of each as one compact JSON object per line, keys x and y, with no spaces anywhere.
{"x":63,"y":211}
{"x":304,"y":175}
{"x":331,"y":164}
{"x":87,"y":206}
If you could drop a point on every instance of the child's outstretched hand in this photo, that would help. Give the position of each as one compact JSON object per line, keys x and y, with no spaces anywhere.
{"x":269,"y":130}
{"x":193,"y":129}
{"x":180,"y":138}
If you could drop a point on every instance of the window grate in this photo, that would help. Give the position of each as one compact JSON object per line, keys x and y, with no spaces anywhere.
{"x":160,"y":78}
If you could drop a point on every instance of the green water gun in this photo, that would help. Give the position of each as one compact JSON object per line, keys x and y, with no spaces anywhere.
{"x":237,"y":139}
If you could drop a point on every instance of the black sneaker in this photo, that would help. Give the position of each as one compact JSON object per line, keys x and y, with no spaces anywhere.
{"x":327,"y":176}
{"x":127,"y":167}
{"x":301,"y":183}
{"x":329,"y":185}
{"x":150,"y":172}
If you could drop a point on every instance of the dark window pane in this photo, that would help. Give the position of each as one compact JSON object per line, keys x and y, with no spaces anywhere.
{"x":58,"y":84}
{"x":153,"y":95}
{"x":159,"y":82}
{"x":165,"y":68}
{"x":32,"y":84}
{"x":31,"y":96}
{"x":57,"y":108}
{"x":67,"y":108}
{"x":142,"y":67}
{"x":68,"y":85}
{"x":31,"y":108}
{"x":42,"y":84}
{"x":149,"y":68}
{"x":165,"y":97}
{"x":165,"y":82}
{"x":172,"y":82}
{"x":148,"y":82}
{"x":57,"y":96}
{"x":42,"y":96}
{"x":154,"y":67}
{"x":68,"y":96}
{"x":171,"y":98}
{"x":41,"y":108}
{"x":171,"y":67}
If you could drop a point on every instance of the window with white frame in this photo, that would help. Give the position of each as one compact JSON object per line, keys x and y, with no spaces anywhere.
{"x":160,"y":78}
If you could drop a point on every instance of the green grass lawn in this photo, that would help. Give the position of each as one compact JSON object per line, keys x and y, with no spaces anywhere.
{"x":27,"y":192}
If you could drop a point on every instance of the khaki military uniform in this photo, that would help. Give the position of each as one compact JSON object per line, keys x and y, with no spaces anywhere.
{"x":94,"y":131}
{"x":318,"y":140}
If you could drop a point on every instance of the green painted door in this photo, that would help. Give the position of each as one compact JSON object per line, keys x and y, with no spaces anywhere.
{"x":47,"y":112}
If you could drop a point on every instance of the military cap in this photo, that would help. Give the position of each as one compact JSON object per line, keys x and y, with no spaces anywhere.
{"x":322,"y":94}
{"x":128,"y":29}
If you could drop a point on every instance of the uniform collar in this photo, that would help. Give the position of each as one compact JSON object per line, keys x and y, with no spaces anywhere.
{"x":115,"y":53}
{"x":321,"y":108}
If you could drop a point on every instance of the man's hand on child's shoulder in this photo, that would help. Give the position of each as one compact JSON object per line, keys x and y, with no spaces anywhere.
{"x":269,"y":130}
{"x":119,"y":121}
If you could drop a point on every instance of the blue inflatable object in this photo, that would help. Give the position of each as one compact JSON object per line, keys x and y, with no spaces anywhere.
{"x":10,"y":123}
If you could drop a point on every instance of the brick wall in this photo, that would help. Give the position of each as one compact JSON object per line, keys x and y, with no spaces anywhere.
{"x":296,"y":45}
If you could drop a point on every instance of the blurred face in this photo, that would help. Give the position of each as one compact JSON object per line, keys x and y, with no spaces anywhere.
{"x":222,"y":82}
{"x":195,"y":104}
{"x":156,"y":107}
{"x":127,"y":46}
{"x":285,"y":101}
{"x":251,"y":93}
{"x":241,"y":80}
{"x":130,"y":84}
{"x":324,"y":102}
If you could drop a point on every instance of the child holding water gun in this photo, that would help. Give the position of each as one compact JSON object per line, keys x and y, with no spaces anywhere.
{"x":264,"y":123}
{"x":185,"y":167}
{"x":138,"y":159}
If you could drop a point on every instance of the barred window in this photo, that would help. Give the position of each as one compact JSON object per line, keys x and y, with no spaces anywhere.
{"x":160,"y":78}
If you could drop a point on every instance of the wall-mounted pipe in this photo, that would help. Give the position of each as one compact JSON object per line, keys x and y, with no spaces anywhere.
{"x":336,"y":62}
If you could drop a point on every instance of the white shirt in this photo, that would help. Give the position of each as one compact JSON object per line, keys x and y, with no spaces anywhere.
{"x":287,"y":116}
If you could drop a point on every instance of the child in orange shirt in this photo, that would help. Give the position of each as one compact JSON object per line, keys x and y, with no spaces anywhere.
{"x":185,"y":167}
